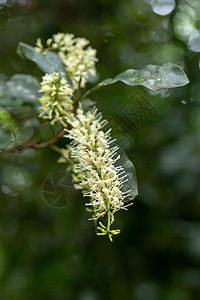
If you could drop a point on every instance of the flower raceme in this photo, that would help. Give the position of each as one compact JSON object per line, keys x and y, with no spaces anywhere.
{"x":96,"y":173}
{"x":91,"y":155}
{"x":78,"y":58}
{"x":56,"y":98}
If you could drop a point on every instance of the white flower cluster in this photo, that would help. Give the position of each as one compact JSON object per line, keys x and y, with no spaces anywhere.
{"x":95,"y":165}
{"x":79,"y":58}
{"x":56,"y":97}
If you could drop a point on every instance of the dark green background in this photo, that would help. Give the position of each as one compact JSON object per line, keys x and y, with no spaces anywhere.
{"x":51,"y":253}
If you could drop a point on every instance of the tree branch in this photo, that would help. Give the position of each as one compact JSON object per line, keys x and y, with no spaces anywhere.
{"x":37,"y":145}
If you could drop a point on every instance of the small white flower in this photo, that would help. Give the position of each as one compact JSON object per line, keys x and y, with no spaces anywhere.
{"x":56,"y":97}
{"x":39,"y":47}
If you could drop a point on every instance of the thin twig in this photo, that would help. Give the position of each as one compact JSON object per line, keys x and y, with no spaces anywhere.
{"x":36,"y":144}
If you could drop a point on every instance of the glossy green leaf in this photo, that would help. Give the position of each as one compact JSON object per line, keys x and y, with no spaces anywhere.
{"x":152,"y":77}
{"x":49,"y":62}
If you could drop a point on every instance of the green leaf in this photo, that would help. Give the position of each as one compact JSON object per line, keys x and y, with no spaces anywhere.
{"x":47,"y":131}
{"x":131,"y":183}
{"x":6,"y":102}
{"x":49,"y":62}
{"x":24,"y":113}
{"x":88,"y":104}
{"x":21,"y":88}
{"x":5,"y":139}
{"x":22,"y":136}
{"x":152,"y":77}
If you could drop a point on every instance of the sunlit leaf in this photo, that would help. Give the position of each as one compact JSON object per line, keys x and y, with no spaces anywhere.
{"x":152,"y":77}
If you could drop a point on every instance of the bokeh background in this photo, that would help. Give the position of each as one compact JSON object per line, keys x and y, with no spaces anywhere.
{"x":52,"y":253}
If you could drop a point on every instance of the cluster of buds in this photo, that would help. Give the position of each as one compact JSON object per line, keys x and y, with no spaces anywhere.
{"x":56,"y":98}
{"x":78,"y":58}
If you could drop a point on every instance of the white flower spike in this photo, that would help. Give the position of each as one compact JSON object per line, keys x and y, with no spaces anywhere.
{"x":56,"y":98}
{"x":79,"y":58}
{"x":95,"y":168}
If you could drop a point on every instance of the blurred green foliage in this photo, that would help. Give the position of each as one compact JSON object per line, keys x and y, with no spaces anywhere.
{"x":52,"y":253}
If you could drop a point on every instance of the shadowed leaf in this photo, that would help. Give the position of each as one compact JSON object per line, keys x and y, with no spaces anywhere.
{"x":131,"y":183}
{"x":49,"y":62}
